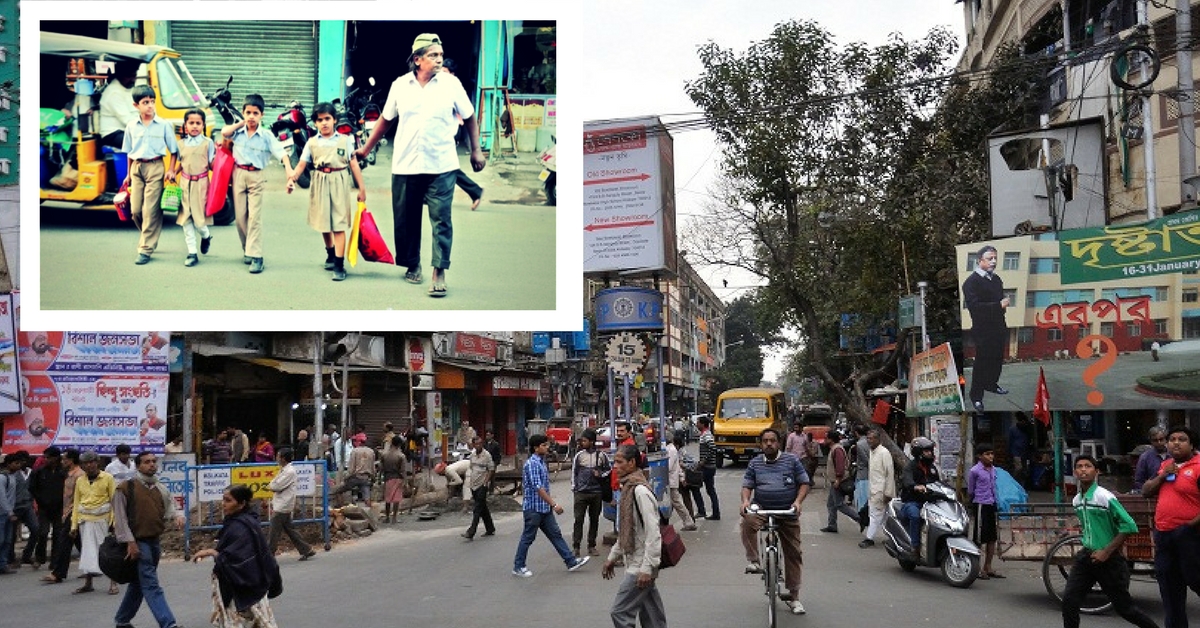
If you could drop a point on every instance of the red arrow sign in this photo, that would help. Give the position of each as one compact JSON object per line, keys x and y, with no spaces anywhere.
{"x":617,"y":225}
{"x":636,"y":177}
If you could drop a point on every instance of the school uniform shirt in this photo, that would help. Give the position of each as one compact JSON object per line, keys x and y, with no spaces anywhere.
{"x":425,"y":123}
{"x":255,"y":149}
{"x":147,"y":141}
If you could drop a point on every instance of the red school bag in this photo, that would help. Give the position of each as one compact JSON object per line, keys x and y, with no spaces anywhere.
{"x":218,"y":185}
{"x":370,"y":241}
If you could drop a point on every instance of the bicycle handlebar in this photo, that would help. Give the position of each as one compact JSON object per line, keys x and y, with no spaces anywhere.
{"x":755,"y":510}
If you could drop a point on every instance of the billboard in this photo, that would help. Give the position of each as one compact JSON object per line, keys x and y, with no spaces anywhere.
{"x":90,"y":390}
{"x":1048,"y":179}
{"x":628,"y":196}
{"x":1131,"y":343}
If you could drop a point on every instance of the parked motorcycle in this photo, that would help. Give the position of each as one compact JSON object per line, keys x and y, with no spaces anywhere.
{"x":549,"y":174}
{"x":944,"y":541}
{"x":368,"y":116}
{"x":346,"y":123}
{"x":292,"y":130}
{"x":220,"y":102}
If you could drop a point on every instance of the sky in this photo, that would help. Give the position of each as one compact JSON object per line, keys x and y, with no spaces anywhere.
{"x":640,"y":54}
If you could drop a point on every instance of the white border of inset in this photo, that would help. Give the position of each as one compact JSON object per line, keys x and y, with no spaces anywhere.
{"x":568,"y":313}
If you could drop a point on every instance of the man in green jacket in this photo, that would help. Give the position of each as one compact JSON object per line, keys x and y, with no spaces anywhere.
{"x":1105,"y":525}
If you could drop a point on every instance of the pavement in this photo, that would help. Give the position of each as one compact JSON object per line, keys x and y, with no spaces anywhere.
{"x":1072,"y":381}
{"x":422,"y":573}
{"x":503,"y":258}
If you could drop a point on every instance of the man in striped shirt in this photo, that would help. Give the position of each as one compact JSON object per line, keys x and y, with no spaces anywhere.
{"x":1105,"y":525}
{"x":708,"y":465}
{"x":775,"y":480}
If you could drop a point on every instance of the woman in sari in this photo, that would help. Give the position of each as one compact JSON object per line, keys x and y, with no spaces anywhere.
{"x":244,"y":569}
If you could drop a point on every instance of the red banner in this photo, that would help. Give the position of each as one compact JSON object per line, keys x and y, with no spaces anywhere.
{"x":1041,"y":402}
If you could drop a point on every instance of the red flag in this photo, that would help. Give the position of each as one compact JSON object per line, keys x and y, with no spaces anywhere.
{"x":1041,"y":402}
{"x":882,"y":409}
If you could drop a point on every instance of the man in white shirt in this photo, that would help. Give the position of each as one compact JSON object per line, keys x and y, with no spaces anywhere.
{"x":283,"y":502}
{"x":116,"y":105}
{"x":120,"y":468}
{"x":882,"y":486}
{"x":423,"y":104}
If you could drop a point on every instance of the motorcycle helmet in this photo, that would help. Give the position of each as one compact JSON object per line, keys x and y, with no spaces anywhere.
{"x":920,"y":446}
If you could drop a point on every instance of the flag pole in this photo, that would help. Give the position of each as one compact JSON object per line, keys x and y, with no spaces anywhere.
{"x":1058,"y":470}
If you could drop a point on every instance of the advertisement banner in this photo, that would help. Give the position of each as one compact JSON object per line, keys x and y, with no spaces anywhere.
{"x":257,"y":477}
{"x":933,"y":383}
{"x":1161,"y":246}
{"x":90,"y":391}
{"x":10,"y":384}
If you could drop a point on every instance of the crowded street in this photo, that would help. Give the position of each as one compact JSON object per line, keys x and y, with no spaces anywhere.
{"x":422,"y":573}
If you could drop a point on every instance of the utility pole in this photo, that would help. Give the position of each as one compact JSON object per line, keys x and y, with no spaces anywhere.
{"x":1187,"y":107}
{"x":314,"y":443}
{"x":1148,"y":120}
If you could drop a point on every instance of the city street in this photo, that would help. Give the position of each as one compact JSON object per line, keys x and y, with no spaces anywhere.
{"x":503,"y":255}
{"x":423,"y":574}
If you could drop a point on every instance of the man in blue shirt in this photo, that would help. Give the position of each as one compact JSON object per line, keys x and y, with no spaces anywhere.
{"x":1151,"y":459}
{"x":540,"y":510}
{"x":776,"y":480}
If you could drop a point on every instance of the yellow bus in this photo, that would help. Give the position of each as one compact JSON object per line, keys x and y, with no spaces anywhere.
{"x":740,"y":417}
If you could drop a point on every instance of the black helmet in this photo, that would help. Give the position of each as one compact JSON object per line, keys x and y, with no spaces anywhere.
{"x":920,"y":445}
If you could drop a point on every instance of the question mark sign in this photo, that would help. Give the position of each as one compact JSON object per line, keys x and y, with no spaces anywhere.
{"x":1107,"y":359}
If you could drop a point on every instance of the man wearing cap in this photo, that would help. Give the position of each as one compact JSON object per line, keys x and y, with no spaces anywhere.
{"x":423,"y":104}
{"x":359,"y":470}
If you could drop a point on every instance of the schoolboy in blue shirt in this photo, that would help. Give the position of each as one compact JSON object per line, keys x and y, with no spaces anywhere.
{"x":147,"y":141}
{"x":253,"y":147}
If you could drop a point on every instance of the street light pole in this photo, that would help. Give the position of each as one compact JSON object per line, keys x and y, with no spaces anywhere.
{"x":924,"y":335}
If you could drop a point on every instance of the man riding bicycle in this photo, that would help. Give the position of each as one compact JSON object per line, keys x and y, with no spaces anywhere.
{"x":776,"y":480}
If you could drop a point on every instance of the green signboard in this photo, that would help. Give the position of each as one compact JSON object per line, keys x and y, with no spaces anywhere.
{"x":1157,"y":247}
{"x":910,"y":311}
{"x":10,"y":78}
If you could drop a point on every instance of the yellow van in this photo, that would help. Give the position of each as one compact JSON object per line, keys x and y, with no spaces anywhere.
{"x":741,"y":416}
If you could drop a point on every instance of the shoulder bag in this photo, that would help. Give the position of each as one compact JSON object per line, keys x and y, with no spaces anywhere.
{"x":672,"y":544}
{"x":112,"y":555}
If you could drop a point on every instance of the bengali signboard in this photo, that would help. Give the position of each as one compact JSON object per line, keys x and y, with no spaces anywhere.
{"x":91,"y":391}
{"x":172,"y":473}
{"x":1157,"y":247}
{"x":10,"y":383}
{"x":628,"y":196}
{"x":933,"y":383}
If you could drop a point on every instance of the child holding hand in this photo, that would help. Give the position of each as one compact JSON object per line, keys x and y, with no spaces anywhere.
{"x":191,"y":170}
{"x":330,"y":204}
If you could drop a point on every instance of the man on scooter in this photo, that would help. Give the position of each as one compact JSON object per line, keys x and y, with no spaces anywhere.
{"x":918,"y":473}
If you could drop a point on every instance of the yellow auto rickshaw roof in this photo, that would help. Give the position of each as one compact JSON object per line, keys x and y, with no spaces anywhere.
{"x":97,"y":49}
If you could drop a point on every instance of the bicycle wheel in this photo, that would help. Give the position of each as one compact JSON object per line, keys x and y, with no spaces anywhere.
{"x":771,"y":577}
{"x":1057,"y":567}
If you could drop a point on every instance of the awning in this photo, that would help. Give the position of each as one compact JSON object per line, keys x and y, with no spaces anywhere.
{"x":296,"y":367}
{"x":891,"y":346}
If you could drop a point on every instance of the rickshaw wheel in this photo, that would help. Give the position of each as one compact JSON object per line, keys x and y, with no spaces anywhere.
{"x":1056,"y":567}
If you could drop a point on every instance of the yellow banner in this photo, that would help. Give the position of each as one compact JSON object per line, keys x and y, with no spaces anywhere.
{"x":256,"y":477}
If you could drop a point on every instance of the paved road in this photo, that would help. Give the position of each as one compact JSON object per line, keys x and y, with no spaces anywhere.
{"x":423,"y":574}
{"x":1117,"y":383}
{"x":503,"y":257}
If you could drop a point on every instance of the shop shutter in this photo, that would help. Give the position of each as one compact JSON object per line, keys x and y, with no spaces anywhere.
{"x":277,"y":60}
{"x":385,"y":398}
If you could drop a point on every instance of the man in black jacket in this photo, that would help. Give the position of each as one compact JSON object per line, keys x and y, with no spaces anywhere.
{"x":918,"y":473}
{"x":983,"y":294}
{"x":46,"y":486}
